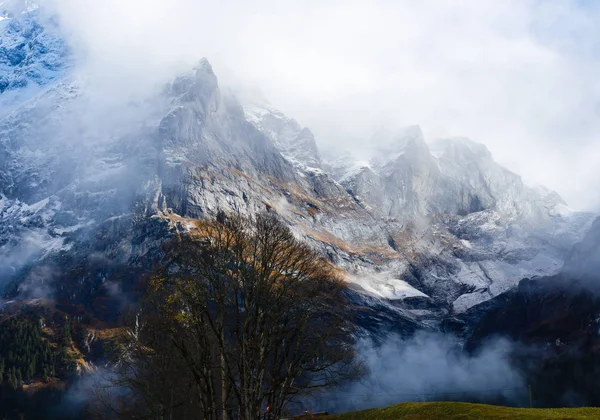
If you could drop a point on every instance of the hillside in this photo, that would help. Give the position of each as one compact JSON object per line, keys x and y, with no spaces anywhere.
{"x":466,"y":411}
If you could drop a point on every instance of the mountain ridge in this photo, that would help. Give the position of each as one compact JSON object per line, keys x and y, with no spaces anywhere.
{"x":428,"y":233}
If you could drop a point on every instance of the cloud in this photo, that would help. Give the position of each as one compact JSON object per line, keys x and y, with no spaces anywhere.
{"x":94,"y":394}
{"x":518,"y":75}
{"x":428,"y":367}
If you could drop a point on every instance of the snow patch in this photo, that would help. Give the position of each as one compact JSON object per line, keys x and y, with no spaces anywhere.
{"x":384,"y":285}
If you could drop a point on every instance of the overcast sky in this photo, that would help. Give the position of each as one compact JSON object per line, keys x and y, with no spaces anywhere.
{"x":521,"y":76}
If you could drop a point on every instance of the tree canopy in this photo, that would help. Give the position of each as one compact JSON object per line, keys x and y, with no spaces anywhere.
{"x":242,"y":319}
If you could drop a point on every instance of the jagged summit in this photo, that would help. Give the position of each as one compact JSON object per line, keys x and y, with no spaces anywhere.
{"x":296,"y":143}
{"x":32,"y":52}
{"x":11,"y":8}
{"x":204,"y":65}
{"x":404,"y":175}
{"x":458,"y":146}
{"x":390,"y":141}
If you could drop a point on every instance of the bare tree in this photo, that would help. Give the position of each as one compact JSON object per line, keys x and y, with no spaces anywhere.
{"x":243,"y":319}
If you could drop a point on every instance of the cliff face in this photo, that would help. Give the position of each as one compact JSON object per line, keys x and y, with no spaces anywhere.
{"x":584,"y":260}
{"x":554,"y":321}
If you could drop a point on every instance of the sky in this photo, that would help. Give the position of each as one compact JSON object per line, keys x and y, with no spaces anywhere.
{"x":517,"y":75}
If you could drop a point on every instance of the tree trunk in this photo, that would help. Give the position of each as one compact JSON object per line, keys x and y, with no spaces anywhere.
{"x":224,"y":393}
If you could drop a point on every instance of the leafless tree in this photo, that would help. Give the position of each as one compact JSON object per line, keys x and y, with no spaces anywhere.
{"x":242,"y":320}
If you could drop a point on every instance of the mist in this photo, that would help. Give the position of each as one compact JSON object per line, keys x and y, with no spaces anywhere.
{"x":515,"y":75}
{"x":584,"y":260}
{"x":428,"y":367}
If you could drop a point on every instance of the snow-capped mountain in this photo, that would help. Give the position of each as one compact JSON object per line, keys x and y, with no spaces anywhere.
{"x":448,"y":207}
{"x":419,"y":229}
{"x":32,"y":53}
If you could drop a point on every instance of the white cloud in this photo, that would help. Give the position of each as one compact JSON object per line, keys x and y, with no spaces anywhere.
{"x":517,"y":75}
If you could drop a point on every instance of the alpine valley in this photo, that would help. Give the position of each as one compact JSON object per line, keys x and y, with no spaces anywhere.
{"x":430,"y":235}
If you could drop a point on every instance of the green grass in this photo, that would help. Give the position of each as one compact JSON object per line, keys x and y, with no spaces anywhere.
{"x":466,"y":411}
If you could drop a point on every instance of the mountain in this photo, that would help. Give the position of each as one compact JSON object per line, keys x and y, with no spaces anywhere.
{"x":430,"y":235}
{"x":583,"y":262}
{"x":421,"y":230}
{"x":296,"y":143}
{"x":555,"y":321}
{"x":464,"y":228}
{"x":32,"y":55}
{"x":564,"y":306}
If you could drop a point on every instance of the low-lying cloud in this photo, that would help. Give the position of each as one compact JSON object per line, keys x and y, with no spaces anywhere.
{"x":429,"y":367}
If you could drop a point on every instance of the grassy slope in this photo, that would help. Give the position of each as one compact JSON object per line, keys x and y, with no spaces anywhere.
{"x":465,"y":411}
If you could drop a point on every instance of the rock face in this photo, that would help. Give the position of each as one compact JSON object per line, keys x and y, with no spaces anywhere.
{"x":31,"y":55}
{"x":562,"y":308}
{"x":421,"y":229}
{"x":296,"y":143}
{"x":555,"y":321}
{"x":584,"y":260}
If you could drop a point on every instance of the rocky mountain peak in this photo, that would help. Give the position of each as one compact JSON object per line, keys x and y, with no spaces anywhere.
{"x":32,"y":52}
{"x":458,"y":148}
{"x":204,"y":66}
{"x":12,"y":8}
{"x":199,"y":85}
{"x":296,"y":143}
{"x":387,"y":143}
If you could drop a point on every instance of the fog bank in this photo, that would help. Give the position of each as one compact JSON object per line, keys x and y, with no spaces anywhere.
{"x":428,"y":367}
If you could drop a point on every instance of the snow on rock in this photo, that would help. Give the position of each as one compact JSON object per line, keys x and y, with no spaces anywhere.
{"x":387,"y":288}
{"x":469,"y":228}
{"x":296,"y":144}
{"x":32,"y":52}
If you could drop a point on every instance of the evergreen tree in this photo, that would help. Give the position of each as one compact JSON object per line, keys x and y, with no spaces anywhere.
{"x":67,"y":333}
{"x":31,"y":370}
{"x":25,"y":352}
{"x":12,"y":381}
